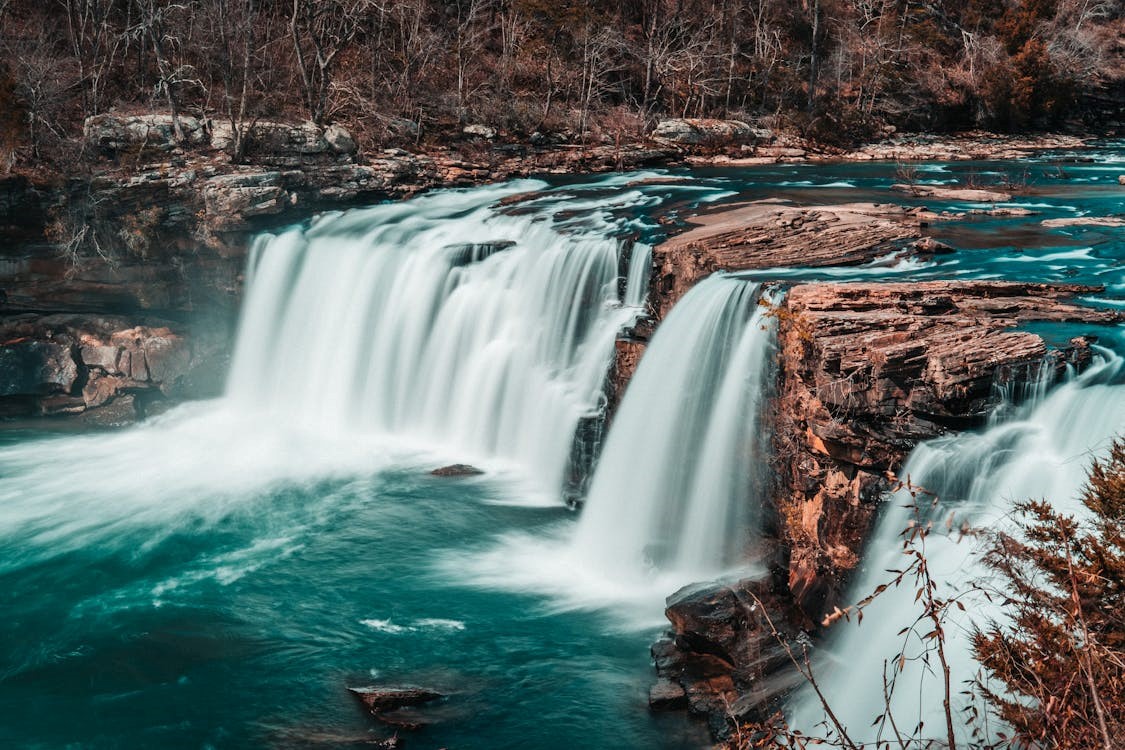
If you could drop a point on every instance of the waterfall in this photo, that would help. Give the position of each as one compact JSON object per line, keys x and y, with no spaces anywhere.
{"x":442,"y":320}
{"x":1040,"y":449}
{"x":673,"y":491}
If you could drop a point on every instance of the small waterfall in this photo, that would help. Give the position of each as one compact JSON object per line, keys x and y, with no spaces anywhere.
{"x":672,"y":491}
{"x":442,"y":320}
{"x":1040,"y":449}
{"x":636,"y":282}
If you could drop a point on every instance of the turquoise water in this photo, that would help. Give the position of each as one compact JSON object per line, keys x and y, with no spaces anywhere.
{"x":162,"y":589}
{"x":244,"y":630}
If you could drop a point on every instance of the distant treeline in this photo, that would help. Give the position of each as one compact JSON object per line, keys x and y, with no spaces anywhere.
{"x":407,"y":70}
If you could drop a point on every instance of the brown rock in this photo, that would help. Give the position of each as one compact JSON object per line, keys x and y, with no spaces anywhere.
{"x":666,"y":695}
{"x":457,"y":470}
{"x":772,"y":235}
{"x":101,"y":389}
{"x":383,"y":699}
{"x":868,"y":371}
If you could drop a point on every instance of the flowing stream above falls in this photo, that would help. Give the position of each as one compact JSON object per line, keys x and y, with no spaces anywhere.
{"x":217,"y":576}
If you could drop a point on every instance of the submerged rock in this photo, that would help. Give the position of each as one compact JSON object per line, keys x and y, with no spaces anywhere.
{"x":457,"y":470}
{"x":386,"y":699}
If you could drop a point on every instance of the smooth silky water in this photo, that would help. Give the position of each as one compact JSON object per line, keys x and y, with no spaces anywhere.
{"x":218,"y":576}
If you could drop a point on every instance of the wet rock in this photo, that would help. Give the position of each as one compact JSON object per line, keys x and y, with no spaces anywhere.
{"x":94,"y":361}
{"x":666,"y":695}
{"x":728,"y":644}
{"x":474,"y":252}
{"x":928,"y":247}
{"x":866,"y":371}
{"x":1121,"y":180}
{"x":870,"y":370}
{"x":700,"y":131}
{"x":59,"y":404}
{"x":393,"y":698}
{"x":457,"y":470}
{"x":100,"y":389}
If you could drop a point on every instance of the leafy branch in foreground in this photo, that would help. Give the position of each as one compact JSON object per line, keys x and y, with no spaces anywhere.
{"x":1053,"y":671}
{"x":1061,"y":657}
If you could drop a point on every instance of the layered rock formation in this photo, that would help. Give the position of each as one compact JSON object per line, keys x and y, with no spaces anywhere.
{"x":75,"y":364}
{"x":775,"y":235}
{"x":866,"y":371}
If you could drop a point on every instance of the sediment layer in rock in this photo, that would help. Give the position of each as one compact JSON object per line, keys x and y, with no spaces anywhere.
{"x":772,"y":235}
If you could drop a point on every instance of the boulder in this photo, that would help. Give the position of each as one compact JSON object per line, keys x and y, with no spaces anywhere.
{"x":230,"y":200}
{"x":699,"y":131}
{"x":113,"y":133}
{"x":94,"y":361}
{"x":340,"y":140}
{"x":36,"y":367}
{"x":479,"y":131}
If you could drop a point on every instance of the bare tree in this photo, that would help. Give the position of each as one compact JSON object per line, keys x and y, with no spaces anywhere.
{"x":470,"y":29}
{"x":94,"y":41}
{"x":158,"y":26}
{"x":321,"y":30}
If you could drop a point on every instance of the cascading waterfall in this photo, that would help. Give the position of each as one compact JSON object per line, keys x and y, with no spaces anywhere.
{"x":1038,"y":450}
{"x":672,"y":491}
{"x":443,"y":320}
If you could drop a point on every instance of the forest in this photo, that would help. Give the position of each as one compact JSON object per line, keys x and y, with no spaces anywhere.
{"x":407,"y":72}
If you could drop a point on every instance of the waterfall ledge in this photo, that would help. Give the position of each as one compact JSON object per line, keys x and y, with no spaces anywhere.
{"x":866,"y":372}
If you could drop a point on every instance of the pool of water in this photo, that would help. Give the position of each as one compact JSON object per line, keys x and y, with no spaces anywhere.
{"x":198,"y":583}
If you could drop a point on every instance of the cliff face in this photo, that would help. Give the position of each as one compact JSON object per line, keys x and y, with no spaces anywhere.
{"x":160,"y":231}
{"x":866,"y":371}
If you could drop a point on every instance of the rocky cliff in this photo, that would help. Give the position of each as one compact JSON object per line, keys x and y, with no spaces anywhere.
{"x":159,"y":228}
{"x":866,"y":371}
